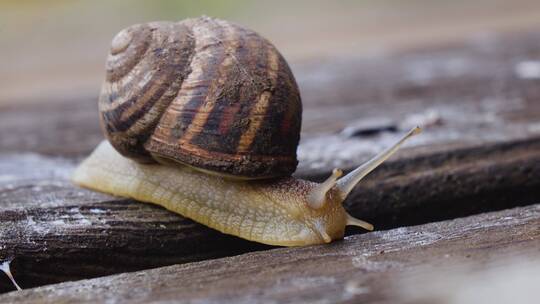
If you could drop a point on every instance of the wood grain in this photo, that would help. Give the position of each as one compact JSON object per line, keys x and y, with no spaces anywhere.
{"x":58,"y":232}
{"x":362,"y":268}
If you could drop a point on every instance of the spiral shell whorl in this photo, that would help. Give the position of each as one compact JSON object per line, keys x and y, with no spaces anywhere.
{"x":202,"y":92}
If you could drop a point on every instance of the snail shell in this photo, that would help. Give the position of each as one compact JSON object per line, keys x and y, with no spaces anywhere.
{"x":202,"y":92}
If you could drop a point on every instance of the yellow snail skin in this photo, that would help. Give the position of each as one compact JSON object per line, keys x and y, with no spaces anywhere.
{"x":284,"y":211}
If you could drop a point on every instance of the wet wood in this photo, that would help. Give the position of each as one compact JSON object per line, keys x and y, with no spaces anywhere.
{"x":480,"y":151}
{"x":382,"y":267}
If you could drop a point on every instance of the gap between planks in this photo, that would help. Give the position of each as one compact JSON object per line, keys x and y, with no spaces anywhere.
{"x":372,"y":267}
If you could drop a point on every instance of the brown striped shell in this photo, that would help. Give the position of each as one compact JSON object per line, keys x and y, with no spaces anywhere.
{"x":202,"y":92}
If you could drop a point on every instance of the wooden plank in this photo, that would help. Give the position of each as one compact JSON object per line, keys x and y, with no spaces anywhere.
{"x":480,"y":152}
{"x":52,"y":127}
{"x":57,"y":232}
{"x":362,"y":268}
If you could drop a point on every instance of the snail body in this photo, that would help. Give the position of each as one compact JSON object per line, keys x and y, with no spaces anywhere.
{"x":203,"y":118}
{"x":267,"y":212}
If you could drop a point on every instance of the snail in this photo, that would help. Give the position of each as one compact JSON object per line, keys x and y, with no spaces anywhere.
{"x":203,"y":117}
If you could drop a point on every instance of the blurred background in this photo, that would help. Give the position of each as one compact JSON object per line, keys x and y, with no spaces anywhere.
{"x":57,"y":49}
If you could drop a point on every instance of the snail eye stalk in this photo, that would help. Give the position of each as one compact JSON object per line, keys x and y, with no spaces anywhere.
{"x":317,"y":197}
{"x":349,"y":181}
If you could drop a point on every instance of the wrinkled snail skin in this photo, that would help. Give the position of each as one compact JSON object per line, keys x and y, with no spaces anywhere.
{"x":283,"y":212}
{"x":272,"y":212}
{"x":203,"y":117}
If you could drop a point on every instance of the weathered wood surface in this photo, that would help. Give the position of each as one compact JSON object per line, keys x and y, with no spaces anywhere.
{"x":58,"y":232}
{"x":480,"y":151}
{"x":360,"y":269}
